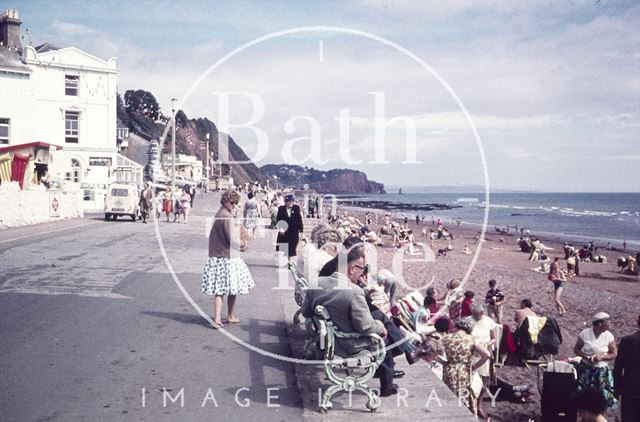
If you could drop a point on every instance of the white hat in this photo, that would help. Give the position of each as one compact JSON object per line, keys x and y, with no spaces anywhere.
{"x":600,"y":316}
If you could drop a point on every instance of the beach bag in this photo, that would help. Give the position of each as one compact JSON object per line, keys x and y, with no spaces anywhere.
{"x":559,"y":382}
{"x":513,"y":393}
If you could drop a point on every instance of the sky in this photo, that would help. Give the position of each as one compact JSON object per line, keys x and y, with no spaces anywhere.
{"x":540,"y":95}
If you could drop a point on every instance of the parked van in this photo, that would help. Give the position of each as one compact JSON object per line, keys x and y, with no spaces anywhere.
{"x":121,"y":199}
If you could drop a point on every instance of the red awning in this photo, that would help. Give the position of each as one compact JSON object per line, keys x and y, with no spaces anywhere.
{"x":18,"y":167}
{"x":28,"y":145}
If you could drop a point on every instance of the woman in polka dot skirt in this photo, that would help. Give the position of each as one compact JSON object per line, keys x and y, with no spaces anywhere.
{"x":225,"y":273}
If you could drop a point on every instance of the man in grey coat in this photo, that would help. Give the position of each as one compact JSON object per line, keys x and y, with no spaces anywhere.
{"x":346,"y":304}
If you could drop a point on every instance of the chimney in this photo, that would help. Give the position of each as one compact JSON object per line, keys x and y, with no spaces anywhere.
{"x":10,"y":30}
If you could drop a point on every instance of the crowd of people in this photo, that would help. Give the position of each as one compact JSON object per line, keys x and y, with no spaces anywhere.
{"x":456,"y":332}
{"x":173,"y":202}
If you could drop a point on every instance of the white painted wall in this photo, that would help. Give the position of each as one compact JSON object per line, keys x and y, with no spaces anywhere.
{"x":36,"y":103}
{"x":32,"y":205}
{"x":15,"y":93}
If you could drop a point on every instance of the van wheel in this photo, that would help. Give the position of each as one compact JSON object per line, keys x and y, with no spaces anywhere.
{"x":114,"y":216}
{"x":107,"y":217}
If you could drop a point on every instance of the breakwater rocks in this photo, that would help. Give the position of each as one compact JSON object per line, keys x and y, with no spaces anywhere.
{"x":395,"y":206}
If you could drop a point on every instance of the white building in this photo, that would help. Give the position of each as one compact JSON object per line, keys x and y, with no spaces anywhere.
{"x":187,"y":166}
{"x":59,"y":96}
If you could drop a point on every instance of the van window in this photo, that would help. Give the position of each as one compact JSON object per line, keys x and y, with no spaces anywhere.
{"x":119,"y":192}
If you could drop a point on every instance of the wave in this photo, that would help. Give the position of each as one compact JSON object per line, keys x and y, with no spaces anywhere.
{"x":577,"y":216}
{"x":484,"y":205}
{"x":565,"y":211}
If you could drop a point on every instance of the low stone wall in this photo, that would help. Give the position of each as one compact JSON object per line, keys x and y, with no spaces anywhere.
{"x":37,"y":204}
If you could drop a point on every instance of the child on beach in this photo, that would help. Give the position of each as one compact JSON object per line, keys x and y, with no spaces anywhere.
{"x":422,"y":318}
{"x":434,"y":306}
{"x":467,"y":302}
{"x":452,"y":299}
{"x":571,"y":265}
{"x":556,"y":275}
{"x":453,"y":288}
{"x":495,"y":302}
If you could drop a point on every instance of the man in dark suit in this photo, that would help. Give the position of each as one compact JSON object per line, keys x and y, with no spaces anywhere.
{"x":626,"y":376}
{"x":346,"y":304}
{"x":145,"y":201}
{"x":289,"y":225}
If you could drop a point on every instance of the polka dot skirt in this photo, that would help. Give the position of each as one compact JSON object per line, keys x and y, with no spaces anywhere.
{"x":226,"y":276}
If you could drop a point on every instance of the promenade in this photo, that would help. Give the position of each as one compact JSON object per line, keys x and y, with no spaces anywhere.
{"x":95,"y":327}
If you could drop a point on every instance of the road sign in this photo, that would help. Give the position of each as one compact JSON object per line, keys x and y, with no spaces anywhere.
{"x":54,"y":205}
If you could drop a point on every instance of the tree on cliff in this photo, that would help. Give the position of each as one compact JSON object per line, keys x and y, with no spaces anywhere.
{"x":142,"y":102}
{"x":140,"y":112}
{"x":120,"y":111}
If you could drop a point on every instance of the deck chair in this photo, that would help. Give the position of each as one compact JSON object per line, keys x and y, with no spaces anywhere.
{"x":404,"y":309}
{"x":559,"y":382}
{"x":499,"y":356}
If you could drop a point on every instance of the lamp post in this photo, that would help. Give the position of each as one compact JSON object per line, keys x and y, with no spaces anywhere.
{"x":206,"y":168}
{"x":173,"y":144}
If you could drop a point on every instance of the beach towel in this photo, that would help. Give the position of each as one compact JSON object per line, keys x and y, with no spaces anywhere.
{"x":535,"y":325}
{"x":508,"y":341}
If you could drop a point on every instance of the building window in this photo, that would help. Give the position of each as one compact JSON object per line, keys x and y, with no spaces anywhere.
{"x":71,"y":84}
{"x":4,"y":130}
{"x":71,"y":119}
{"x":74,"y":174}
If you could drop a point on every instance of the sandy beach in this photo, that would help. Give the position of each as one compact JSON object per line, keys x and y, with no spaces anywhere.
{"x":600,"y":287}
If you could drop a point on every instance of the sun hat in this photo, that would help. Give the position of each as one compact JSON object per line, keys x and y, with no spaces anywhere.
{"x":600,"y":316}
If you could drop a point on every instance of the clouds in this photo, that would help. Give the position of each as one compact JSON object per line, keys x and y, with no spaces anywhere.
{"x":70,"y":29}
{"x":543,"y":81}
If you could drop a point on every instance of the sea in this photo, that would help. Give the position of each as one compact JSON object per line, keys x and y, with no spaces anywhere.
{"x":576,"y":217}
